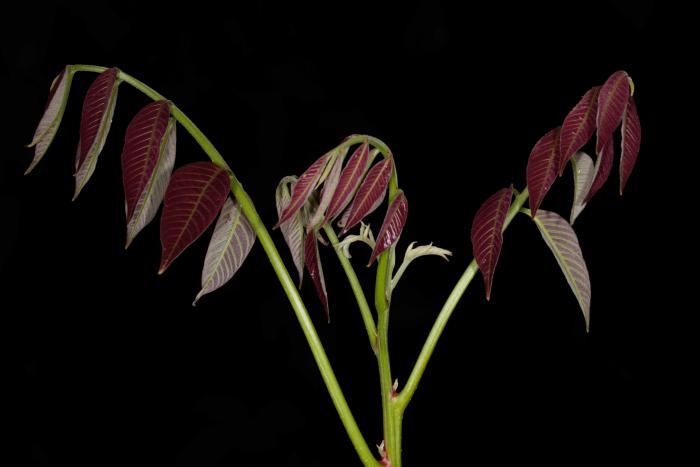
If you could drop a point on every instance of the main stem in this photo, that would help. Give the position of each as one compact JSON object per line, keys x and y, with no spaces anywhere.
{"x":273,"y":255}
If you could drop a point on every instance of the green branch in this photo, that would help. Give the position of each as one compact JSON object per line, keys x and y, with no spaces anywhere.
{"x":447,"y":309}
{"x":365,"y":310}
{"x":273,"y":255}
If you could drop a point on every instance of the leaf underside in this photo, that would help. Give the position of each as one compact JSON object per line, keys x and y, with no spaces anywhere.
{"x":487,"y":234}
{"x":147,"y":162}
{"x":392,"y":226}
{"x":329,"y":187}
{"x":562,"y":241}
{"x":194,"y":197}
{"x":96,"y":119}
{"x":370,"y":194}
{"x":584,"y":172}
{"x":542,"y":167}
{"x":230,"y":244}
{"x":51,"y":119}
{"x":293,"y":228}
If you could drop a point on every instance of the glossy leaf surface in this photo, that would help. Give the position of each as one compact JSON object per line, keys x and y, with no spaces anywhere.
{"x":542,"y":167}
{"x":487,"y":234}
{"x":392,"y":226}
{"x":194,"y":197}
{"x":96,"y":119}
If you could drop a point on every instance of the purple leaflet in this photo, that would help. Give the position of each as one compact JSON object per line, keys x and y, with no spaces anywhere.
{"x":293,"y":228}
{"x":53,"y":113}
{"x":602,"y":169}
{"x":313,"y":264}
{"x":329,"y":187}
{"x":305,"y":185}
{"x":562,"y":241}
{"x":542,"y":167}
{"x":194,"y":197}
{"x":612,"y":100}
{"x":487,"y":234}
{"x":370,"y":194}
{"x":230,"y":244}
{"x":578,"y":126}
{"x":392,"y":226}
{"x":349,"y":181}
{"x":147,"y":162}
{"x":631,"y":138}
{"x":96,"y":119}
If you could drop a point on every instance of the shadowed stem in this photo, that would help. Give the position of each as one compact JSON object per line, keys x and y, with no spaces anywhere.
{"x":273,"y":255}
{"x":447,"y":309}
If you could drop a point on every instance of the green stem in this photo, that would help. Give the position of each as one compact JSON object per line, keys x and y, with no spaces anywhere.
{"x":391,"y":418}
{"x":365,"y":310}
{"x":273,"y":255}
{"x":447,"y":309}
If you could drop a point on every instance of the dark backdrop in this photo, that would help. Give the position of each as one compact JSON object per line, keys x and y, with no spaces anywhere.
{"x":118,"y":368}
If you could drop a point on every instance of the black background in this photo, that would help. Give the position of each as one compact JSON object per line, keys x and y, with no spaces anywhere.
{"x":118,"y":368}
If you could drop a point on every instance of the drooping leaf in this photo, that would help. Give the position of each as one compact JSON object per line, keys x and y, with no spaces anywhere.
{"x":562,"y":241}
{"x":603,"y":166}
{"x":193,"y":199}
{"x":542,"y":167}
{"x":350,"y":179}
{"x":293,"y":228}
{"x":329,"y":187}
{"x":487,"y":234}
{"x":578,"y":126}
{"x":631,"y":138}
{"x":583,"y":177}
{"x":392,"y":226}
{"x":147,"y":162}
{"x":53,"y":113}
{"x":612,"y":100}
{"x":230,"y":244}
{"x":370,"y":194}
{"x":98,"y":109}
{"x":313,"y":264}
{"x":305,"y":185}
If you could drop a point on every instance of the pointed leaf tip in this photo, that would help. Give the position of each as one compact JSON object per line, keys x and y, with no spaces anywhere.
{"x":148,"y":158}
{"x":51,"y":119}
{"x":631,"y":139}
{"x":612,"y":100}
{"x":370,"y":194}
{"x":393,"y":224}
{"x":487,"y":234}
{"x":96,"y":119}
{"x":230,"y":244}
{"x":562,"y":241}
{"x":578,"y":126}
{"x":542,"y":167}
{"x":194,"y":197}
{"x":313,"y":264}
